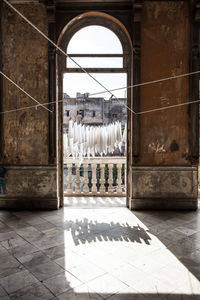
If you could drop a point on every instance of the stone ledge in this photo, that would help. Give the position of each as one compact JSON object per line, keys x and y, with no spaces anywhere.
{"x":164,"y":204}
{"x":28,"y":203}
{"x":30,"y":187}
{"x":164,"y":187}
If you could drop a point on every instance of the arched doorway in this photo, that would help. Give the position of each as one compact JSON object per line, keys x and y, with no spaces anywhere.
{"x":123,"y":62}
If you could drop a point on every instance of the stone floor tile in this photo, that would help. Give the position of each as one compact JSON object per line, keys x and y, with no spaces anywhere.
{"x":105,"y":261}
{"x":3,"y":253}
{"x":70,"y":260}
{"x":5,"y":298}
{"x":56,"y":220}
{"x":166,"y":245}
{"x":81,"y":292}
{"x":171,"y":297}
{"x":10,"y":266}
{"x":23,"y":250}
{"x":151,"y":285}
{"x":34,"y":220}
{"x":17,"y":281}
{"x":195,"y":237}
{"x":184,"y":246}
{"x":86,"y":271}
{"x":45,"y":226}
{"x":46,"y":270}
{"x":129,"y":274}
{"x":177,"y":221}
{"x":32,"y":292}
{"x":14,"y":242}
{"x":169,"y":236}
{"x":29,"y":233}
{"x":154,"y":261}
{"x":34,"y":259}
{"x":185,"y":230}
{"x":48,"y":242}
{"x":180,"y":278}
{"x":48,"y":239}
{"x":4,"y":227}
{"x":7,"y":235}
{"x":128,"y":293}
{"x":56,"y":251}
{"x":191,"y":259}
{"x":193,"y":224}
{"x":61,"y":283}
{"x":161,"y":227}
{"x":17,"y":224}
{"x":106,"y":285}
{"x":6,"y":216}
{"x":2,"y":292}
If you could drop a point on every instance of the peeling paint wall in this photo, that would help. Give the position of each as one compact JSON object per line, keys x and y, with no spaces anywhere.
{"x":164,"y":53}
{"x":25,"y":53}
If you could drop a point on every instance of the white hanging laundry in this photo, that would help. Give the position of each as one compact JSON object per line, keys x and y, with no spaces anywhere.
{"x":88,"y":141}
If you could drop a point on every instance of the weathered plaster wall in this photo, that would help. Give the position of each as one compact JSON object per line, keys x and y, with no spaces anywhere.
{"x":164,"y":53}
{"x":30,"y":187}
{"x":25,"y":133}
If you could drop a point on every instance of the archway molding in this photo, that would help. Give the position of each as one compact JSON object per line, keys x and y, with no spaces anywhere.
{"x":73,"y":26}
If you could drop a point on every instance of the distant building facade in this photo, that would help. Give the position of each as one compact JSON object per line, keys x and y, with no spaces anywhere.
{"x":93,"y":111}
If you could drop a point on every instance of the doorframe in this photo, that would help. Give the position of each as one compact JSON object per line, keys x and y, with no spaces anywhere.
{"x":77,"y":23}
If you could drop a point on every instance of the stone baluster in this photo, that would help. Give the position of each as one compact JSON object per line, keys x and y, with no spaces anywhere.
{"x":119,"y":178}
{"x":78,"y":182}
{"x":110,"y":179}
{"x":102,"y":179}
{"x":86,"y":180}
{"x":125,"y":178}
{"x":94,"y":179}
{"x":69,"y":179}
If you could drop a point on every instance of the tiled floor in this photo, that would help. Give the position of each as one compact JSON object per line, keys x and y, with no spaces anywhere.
{"x":95,"y":248}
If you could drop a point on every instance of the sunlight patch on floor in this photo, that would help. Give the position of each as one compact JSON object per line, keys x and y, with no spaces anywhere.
{"x":112,"y":251}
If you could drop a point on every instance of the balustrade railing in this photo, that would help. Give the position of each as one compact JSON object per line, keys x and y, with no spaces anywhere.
{"x":96,"y":176}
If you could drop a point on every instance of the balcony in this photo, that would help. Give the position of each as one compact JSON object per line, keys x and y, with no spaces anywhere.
{"x":95,"y":176}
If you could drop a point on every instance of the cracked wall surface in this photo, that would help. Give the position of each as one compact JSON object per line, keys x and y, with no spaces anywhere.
{"x":164,"y":53}
{"x":25,"y":132}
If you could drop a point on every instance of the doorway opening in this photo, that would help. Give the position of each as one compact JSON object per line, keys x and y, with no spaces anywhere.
{"x":92,"y":86}
{"x":94,"y":120}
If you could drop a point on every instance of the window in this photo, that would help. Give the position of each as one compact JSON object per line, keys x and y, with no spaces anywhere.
{"x":80,"y":112}
{"x":93,"y":113}
{"x":90,"y":47}
{"x":67,"y":113}
{"x":114,"y":116}
{"x":99,"y":51}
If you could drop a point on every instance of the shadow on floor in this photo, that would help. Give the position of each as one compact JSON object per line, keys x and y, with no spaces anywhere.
{"x":92,"y":231}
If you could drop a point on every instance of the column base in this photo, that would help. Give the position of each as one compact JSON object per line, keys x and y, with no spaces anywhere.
{"x":30,"y":187}
{"x":164,"y":188}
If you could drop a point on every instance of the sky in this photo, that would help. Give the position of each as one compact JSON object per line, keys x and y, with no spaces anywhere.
{"x":94,"y":40}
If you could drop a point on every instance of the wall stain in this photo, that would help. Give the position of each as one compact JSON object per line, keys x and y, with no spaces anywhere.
{"x":25,"y":61}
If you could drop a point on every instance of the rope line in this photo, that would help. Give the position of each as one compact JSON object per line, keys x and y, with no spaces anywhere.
{"x":167,"y":107}
{"x":105,"y":89}
{"x":21,"y":89}
{"x":139,"y":113}
{"x":149,"y":82}
{"x":63,"y":52}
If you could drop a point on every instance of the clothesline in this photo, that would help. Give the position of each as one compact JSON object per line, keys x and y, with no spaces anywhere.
{"x":98,"y":82}
{"x":82,"y":141}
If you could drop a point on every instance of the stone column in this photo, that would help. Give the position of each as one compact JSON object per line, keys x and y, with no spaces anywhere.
{"x":1,"y":79}
{"x":165,"y":148}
